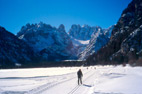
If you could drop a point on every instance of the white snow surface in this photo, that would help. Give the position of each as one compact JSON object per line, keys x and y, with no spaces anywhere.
{"x":77,"y":42}
{"x":96,"y":80}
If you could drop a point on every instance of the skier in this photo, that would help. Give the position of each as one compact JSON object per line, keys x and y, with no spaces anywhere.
{"x":80,"y":75}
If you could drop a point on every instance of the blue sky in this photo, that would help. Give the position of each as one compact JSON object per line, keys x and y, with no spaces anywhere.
{"x":16,"y":13}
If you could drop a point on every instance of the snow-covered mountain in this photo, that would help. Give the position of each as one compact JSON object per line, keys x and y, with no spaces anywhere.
{"x":125,"y":45}
{"x":82,"y":32}
{"x":13,"y":51}
{"x":97,"y":41}
{"x":47,"y":43}
{"x":87,"y":39}
{"x":55,"y":44}
{"x":79,"y":45}
{"x":52,"y":43}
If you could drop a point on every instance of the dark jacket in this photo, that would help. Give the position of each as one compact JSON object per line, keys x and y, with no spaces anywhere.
{"x":79,"y":73}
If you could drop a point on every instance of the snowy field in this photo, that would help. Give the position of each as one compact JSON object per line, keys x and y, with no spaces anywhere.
{"x":96,"y":80}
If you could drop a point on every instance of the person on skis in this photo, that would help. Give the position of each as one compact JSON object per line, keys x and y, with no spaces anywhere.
{"x":80,"y":75}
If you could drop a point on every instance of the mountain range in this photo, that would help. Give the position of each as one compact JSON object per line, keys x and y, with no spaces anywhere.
{"x":118,"y":44}
{"x":47,"y":43}
{"x":53,"y":44}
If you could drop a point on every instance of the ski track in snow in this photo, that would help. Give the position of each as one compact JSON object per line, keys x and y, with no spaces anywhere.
{"x":78,"y":86}
{"x":96,"y":80}
{"x":47,"y":86}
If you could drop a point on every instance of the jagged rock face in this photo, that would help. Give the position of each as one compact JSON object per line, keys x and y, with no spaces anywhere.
{"x":129,"y":22}
{"x":52,"y":43}
{"x":13,"y":51}
{"x":97,"y":41}
{"x":133,"y":42}
{"x":131,"y":47}
{"x":82,"y":33}
{"x":81,"y":36}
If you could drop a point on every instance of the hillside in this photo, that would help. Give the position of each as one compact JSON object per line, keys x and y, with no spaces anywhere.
{"x":125,"y":45}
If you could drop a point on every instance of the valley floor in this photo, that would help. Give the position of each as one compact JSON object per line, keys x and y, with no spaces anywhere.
{"x":96,"y":80}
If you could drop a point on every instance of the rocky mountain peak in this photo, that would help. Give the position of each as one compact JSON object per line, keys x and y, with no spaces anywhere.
{"x":52,"y":43}
{"x":2,"y":29}
{"x":61,"y":28}
{"x":82,"y":32}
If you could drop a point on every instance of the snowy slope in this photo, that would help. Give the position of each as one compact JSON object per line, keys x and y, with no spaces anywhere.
{"x":96,"y":80}
{"x":79,"y":45}
{"x":97,"y":41}
{"x":87,"y":39}
{"x":81,"y":35}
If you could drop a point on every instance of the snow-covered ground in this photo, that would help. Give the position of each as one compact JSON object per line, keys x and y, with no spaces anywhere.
{"x":96,"y":80}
